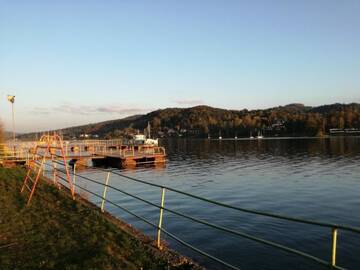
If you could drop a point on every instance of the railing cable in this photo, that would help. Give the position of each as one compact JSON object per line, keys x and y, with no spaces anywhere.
{"x":163,"y":230}
{"x":250,"y":211}
{"x":219,"y":227}
{"x":334,"y":227}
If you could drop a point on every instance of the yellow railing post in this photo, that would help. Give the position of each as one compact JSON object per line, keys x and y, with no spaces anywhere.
{"x":54,"y":173}
{"x":105,"y":190}
{"x":333,"y":249}
{"x":161,"y":217}
{"x":74,"y":177}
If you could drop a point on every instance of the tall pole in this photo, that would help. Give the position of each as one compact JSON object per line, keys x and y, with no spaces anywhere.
{"x":11,"y":99}
{"x":13,"y":120}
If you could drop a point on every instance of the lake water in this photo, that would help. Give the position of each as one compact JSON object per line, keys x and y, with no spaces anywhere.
{"x":307,"y":178}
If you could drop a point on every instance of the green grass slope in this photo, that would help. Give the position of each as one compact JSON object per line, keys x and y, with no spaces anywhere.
{"x":56,"y":232}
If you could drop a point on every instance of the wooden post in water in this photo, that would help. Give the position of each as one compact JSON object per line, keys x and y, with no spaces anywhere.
{"x":161,"y":217}
{"x":105,"y":190}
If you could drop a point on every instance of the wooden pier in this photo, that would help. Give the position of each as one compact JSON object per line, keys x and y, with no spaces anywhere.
{"x":101,"y":152}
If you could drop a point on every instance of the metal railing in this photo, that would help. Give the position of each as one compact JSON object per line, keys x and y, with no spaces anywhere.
{"x":14,"y":154}
{"x":131,"y":151}
{"x":159,"y":229}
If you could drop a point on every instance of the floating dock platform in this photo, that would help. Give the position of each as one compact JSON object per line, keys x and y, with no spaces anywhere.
{"x":102,"y":153}
{"x":126,"y":156}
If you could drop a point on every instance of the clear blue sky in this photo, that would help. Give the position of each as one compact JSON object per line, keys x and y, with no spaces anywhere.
{"x":75,"y":62}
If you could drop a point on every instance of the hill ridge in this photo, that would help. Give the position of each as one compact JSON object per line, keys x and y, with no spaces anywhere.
{"x":294,"y":119}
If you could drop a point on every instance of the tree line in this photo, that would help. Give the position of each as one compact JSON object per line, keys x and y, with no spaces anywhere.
{"x":290,"y":120}
{"x":202,"y":121}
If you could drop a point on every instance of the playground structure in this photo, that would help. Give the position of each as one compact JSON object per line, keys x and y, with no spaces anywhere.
{"x":49,"y":147}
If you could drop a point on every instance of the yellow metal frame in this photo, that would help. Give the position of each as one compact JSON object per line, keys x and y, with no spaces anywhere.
{"x":161,"y":217}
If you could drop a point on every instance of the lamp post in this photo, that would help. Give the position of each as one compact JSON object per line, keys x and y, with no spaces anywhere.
{"x":11,"y":99}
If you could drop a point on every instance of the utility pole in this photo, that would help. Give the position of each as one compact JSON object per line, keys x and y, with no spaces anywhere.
{"x":11,"y":99}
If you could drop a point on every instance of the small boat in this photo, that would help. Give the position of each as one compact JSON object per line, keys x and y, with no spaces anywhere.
{"x":140,"y":139}
{"x":145,"y":139}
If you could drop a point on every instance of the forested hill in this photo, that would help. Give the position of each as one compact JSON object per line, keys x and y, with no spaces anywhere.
{"x":201,"y":121}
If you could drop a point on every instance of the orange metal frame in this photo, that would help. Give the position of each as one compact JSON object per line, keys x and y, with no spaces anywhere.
{"x":52,"y":144}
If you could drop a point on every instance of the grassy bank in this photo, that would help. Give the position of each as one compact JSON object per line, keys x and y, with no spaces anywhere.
{"x":56,"y":232}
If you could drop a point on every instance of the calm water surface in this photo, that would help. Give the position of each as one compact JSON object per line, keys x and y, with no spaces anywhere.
{"x":307,"y":178}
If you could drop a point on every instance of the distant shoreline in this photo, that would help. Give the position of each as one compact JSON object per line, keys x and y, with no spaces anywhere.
{"x":268,"y":138}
